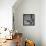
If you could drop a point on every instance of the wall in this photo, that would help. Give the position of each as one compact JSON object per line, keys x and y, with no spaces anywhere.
{"x":43,"y":22}
{"x":29,"y":32}
{"x":6,"y":13}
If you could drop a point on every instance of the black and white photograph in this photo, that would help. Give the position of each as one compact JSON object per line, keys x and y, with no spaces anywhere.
{"x":29,"y":19}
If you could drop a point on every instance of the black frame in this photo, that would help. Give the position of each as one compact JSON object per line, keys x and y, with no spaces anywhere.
{"x":28,"y":19}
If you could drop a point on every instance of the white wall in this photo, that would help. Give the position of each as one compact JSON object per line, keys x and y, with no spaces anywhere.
{"x":43,"y":22}
{"x":29,"y":7}
{"x":6,"y":13}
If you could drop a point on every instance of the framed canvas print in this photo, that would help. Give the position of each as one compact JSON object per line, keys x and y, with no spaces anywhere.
{"x":28,"y":19}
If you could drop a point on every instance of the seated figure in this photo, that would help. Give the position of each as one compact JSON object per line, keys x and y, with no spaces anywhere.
{"x":18,"y":39}
{"x":29,"y":43}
